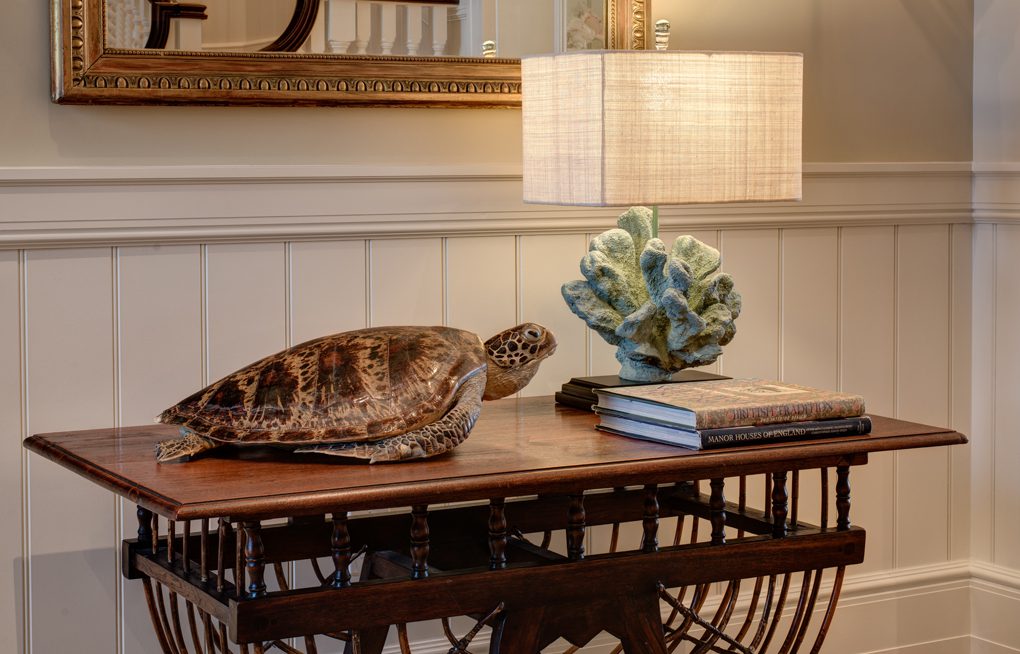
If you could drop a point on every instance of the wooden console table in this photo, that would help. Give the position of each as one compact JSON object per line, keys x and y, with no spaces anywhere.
{"x":203,"y":552}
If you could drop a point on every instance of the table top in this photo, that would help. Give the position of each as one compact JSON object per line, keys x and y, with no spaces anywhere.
{"x":518,"y":447}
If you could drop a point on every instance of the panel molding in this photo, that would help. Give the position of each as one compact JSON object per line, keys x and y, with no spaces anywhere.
{"x":996,"y":194}
{"x":77,"y":206}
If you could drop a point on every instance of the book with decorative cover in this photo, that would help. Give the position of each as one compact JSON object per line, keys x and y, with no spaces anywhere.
{"x":730,"y":403}
{"x":624,"y":424}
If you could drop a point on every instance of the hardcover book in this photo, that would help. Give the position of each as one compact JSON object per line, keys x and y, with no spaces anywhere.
{"x":730,"y":403}
{"x":708,"y":439}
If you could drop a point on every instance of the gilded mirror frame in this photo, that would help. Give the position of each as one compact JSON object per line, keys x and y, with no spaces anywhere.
{"x":85,"y":71}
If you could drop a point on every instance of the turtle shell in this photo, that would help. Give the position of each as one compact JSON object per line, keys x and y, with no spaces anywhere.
{"x":355,"y":386}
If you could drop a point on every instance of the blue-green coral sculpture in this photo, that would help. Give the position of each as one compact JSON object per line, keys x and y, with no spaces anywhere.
{"x":665,"y":310}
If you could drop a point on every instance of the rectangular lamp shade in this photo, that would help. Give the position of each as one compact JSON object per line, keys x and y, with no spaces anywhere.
{"x":632,"y":127}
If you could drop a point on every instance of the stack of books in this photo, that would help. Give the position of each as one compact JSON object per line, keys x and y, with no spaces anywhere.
{"x":729,"y":413}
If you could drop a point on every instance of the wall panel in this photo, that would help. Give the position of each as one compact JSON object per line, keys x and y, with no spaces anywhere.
{"x":12,"y":500}
{"x":961,"y":379}
{"x":328,"y":288}
{"x":810,"y":327}
{"x":983,"y":425}
{"x":922,"y":391}
{"x":159,"y":363}
{"x":406,"y":282}
{"x":547,"y":262}
{"x":867,"y":366}
{"x":752,"y":258}
{"x":245,"y":304}
{"x":481,"y":284}
{"x":73,"y":582}
{"x":1006,"y":446}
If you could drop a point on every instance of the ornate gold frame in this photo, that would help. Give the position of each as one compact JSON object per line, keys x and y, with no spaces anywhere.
{"x":627,"y":22}
{"x":86,"y":72}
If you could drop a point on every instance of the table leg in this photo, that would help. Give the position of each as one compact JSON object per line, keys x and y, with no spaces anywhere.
{"x":780,"y":504}
{"x":650,"y":520}
{"x":254,"y":559}
{"x":575,"y":528}
{"x":517,"y":632}
{"x":642,"y":626}
{"x":340,"y":542}
{"x":367,"y":641}
{"x":420,"y":541}
{"x":843,"y":497}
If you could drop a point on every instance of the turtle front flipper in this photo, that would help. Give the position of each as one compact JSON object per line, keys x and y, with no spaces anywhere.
{"x":183,"y":448}
{"x":436,"y":438}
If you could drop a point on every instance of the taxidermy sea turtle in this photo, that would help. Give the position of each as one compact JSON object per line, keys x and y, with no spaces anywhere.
{"x":383,"y":394}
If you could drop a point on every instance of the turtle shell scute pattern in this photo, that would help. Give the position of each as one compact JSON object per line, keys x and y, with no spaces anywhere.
{"x":351,"y":387}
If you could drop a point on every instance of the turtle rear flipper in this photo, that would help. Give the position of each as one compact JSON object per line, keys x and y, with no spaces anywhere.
{"x":436,"y":438}
{"x":183,"y":448}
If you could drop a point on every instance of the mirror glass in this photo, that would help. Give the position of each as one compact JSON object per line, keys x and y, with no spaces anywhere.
{"x":387,"y":28}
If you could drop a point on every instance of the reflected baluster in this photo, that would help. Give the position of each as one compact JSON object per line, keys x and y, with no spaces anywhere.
{"x":415,"y":28}
{"x":440,"y":28}
{"x":341,"y":25}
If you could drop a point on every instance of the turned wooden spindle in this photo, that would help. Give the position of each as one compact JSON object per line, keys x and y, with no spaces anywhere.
{"x":203,"y":559}
{"x":794,"y":497}
{"x":779,"y":504}
{"x":186,"y":564}
{"x":221,"y":533}
{"x":155,"y":533}
{"x":575,"y":528}
{"x":497,"y":534}
{"x":419,"y":541}
{"x":341,"y":544}
{"x":842,"y":498}
{"x":650,"y":522}
{"x":717,"y":511}
{"x":171,"y":536}
{"x":144,"y":526}
{"x":825,"y":499}
{"x":254,"y":559}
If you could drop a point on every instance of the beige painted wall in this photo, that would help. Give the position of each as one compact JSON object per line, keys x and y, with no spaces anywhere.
{"x":886,"y":81}
{"x":996,"y":86}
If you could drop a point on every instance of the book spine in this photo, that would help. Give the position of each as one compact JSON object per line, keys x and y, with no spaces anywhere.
{"x":573,"y":401}
{"x":737,"y":436}
{"x":792,"y":412}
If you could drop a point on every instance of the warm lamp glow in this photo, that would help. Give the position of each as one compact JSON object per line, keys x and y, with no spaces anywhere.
{"x":628,"y":127}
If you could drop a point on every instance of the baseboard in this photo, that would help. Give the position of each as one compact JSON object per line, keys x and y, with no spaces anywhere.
{"x":955,"y":645}
{"x":995,"y":609}
{"x":982,"y":646}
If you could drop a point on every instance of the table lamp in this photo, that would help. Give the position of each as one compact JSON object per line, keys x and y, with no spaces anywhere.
{"x":637,"y":127}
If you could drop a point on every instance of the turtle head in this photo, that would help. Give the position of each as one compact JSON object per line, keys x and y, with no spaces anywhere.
{"x":514,"y":356}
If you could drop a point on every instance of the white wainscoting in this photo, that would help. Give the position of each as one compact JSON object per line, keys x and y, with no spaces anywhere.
{"x":125,"y":289}
{"x":995,"y":449}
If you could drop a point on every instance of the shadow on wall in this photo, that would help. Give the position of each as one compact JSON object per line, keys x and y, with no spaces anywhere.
{"x":942,"y":20}
{"x":73,"y":601}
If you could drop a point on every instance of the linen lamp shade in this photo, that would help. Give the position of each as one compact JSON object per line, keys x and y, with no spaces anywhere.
{"x":625,"y":127}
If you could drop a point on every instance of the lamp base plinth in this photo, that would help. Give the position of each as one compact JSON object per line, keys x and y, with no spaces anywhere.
{"x":642,"y":373}
{"x":579,"y":392}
